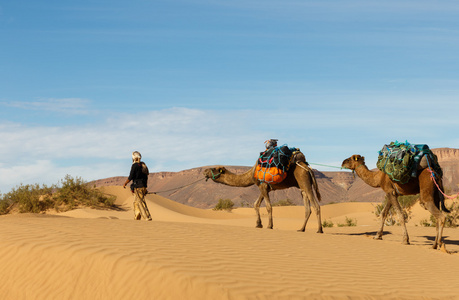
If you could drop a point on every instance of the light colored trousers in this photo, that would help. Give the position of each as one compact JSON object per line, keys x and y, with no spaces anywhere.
{"x":140,"y":206}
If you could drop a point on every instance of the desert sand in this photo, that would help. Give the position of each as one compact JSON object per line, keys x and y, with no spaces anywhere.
{"x":189,"y":253}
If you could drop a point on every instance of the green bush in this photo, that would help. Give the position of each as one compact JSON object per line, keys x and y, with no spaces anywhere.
{"x":348,"y":223}
{"x":406,"y":202}
{"x":245,"y":204}
{"x":224,"y":204}
{"x":5,"y":206}
{"x":286,"y":202}
{"x":426,"y":223}
{"x":74,"y":192}
{"x":27,"y":199}
{"x":327,"y":223}
{"x":450,"y":221}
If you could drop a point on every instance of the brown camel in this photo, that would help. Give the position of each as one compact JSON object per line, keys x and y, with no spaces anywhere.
{"x":430,"y":197}
{"x":299,"y":175}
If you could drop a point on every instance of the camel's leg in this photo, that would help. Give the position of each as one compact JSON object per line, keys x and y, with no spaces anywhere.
{"x":401,"y":216}
{"x":264,"y":194}
{"x":440,"y":217}
{"x":269,"y":208}
{"x":308,"y":198}
{"x":384,"y":214}
{"x":307,"y":209}
{"x":257,"y":210}
{"x":431,"y":198}
{"x":316,"y":205}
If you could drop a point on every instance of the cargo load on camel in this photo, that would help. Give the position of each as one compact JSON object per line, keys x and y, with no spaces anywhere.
{"x":273,"y":164}
{"x":401,"y":161}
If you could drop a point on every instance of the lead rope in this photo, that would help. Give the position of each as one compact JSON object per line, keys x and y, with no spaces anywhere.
{"x":326,"y":166}
{"x":432,"y":176}
{"x":177,"y":188}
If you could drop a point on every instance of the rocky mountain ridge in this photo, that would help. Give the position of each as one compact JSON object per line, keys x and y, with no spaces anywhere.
{"x":189,"y":187}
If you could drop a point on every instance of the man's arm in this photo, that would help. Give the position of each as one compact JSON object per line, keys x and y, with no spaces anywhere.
{"x":127,"y":181}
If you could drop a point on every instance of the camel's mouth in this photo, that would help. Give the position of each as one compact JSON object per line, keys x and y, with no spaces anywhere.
{"x":345,"y":164}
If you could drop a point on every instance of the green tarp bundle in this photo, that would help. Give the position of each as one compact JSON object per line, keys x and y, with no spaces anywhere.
{"x":401,"y":160}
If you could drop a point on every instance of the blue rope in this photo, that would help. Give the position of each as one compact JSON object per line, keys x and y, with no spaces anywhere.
{"x":428,"y":165}
{"x":326,"y":166}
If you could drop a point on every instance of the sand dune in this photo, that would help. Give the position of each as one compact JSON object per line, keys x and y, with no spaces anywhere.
{"x":188,"y":253}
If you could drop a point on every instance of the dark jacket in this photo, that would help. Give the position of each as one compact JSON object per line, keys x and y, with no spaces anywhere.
{"x":139,"y":175}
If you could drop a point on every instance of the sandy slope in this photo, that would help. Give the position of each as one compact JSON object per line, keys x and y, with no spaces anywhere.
{"x":188,"y":253}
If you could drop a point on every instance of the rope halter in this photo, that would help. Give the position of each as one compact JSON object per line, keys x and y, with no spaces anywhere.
{"x":215,"y":176}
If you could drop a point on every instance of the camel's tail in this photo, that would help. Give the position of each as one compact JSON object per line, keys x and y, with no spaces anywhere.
{"x":443,"y":207}
{"x":314,"y":183}
{"x":442,"y":203}
{"x":300,"y":160}
{"x":439,"y":196}
{"x":316,"y":187}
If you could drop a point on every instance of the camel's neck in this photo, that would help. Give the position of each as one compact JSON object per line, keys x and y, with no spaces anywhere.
{"x":372,"y":178}
{"x":241,"y":180}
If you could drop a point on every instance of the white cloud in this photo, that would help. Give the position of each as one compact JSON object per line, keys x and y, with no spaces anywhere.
{"x":65,"y":105}
{"x":173,"y":139}
{"x":15,"y":173}
{"x":179,"y":138}
{"x":51,"y":173}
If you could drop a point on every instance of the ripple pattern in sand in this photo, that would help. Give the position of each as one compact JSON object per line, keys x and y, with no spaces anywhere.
{"x":65,"y":258}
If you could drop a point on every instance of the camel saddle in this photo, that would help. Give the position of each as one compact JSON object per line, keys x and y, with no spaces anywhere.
{"x":273,"y":164}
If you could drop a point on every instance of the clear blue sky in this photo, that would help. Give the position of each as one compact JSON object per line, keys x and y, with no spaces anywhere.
{"x":201,"y":82}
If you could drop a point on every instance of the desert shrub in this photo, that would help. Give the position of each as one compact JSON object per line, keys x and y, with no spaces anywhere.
{"x":76,"y":192}
{"x":4,"y":206}
{"x":348,"y":223}
{"x":286,"y":202}
{"x":406,"y":202}
{"x":35,"y":199}
{"x":245,"y":204}
{"x":326,"y":223}
{"x":427,"y":223}
{"x":450,"y":221}
{"x":27,"y":198}
{"x":224,"y":204}
{"x":453,"y":217}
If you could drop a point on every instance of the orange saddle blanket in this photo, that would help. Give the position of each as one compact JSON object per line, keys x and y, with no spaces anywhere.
{"x":271,"y":175}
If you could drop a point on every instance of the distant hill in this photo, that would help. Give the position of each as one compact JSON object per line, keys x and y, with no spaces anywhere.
{"x":189,"y":187}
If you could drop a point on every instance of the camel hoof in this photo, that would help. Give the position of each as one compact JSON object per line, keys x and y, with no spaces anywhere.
{"x":377,"y":238}
{"x":406,"y":243}
{"x":443,"y":249}
{"x":300,"y":230}
{"x":320,"y":231}
{"x":259,"y":226}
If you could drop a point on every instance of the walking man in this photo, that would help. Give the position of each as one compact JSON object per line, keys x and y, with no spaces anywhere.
{"x":139,"y":176}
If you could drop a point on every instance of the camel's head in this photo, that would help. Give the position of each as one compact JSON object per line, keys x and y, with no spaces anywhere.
{"x":353,"y":162}
{"x":214,"y":173}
